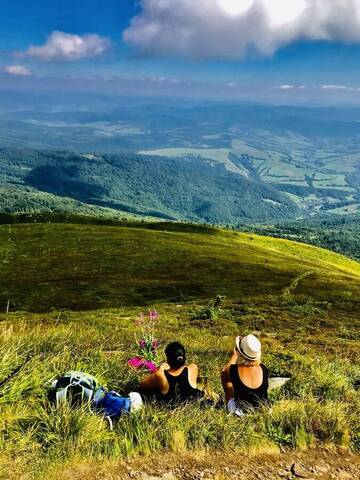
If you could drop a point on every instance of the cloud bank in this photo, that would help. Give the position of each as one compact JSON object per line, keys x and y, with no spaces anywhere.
{"x":62,"y":46}
{"x":18,"y":70}
{"x":230,"y":29}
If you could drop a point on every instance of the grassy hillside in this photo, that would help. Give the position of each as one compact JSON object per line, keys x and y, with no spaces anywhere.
{"x":88,"y":284}
{"x":339,"y":233}
{"x":90,"y":266}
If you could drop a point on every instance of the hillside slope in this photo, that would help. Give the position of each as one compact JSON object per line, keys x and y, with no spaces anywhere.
{"x":166,"y":188}
{"x":302,"y":301}
{"x":89,"y":266}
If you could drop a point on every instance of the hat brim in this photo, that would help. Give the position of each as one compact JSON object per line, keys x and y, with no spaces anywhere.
{"x":243,"y":354}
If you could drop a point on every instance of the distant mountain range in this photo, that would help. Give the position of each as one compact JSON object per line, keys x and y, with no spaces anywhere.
{"x":215,"y":163}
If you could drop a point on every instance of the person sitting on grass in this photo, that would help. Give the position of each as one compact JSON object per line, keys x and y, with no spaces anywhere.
{"x":244,"y":379}
{"x":174,"y":382}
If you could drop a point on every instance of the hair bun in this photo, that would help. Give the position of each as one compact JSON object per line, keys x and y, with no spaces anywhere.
{"x":175,"y":353}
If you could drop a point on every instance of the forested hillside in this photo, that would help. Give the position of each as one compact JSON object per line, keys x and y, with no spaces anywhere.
{"x":167,"y":188}
{"x":222,"y":164}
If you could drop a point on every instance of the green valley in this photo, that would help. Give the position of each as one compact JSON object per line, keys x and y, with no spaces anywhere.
{"x":221,"y":164}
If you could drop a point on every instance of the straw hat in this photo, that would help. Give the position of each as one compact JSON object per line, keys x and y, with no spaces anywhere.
{"x":249,"y":347}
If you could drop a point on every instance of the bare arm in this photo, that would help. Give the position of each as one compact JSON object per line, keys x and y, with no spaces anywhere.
{"x":232,"y":361}
{"x":225,"y":377}
{"x":193,"y":374}
{"x":227,"y":384}
{"x":155,"y":380}
{"x":150,"y":382}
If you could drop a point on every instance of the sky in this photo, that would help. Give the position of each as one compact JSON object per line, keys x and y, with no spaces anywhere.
{"x":280,"y":51}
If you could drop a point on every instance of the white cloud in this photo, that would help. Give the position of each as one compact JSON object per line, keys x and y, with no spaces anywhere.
{"x":232,"y":28}
{"x":285,"y":87}
{"x":336,"y":87}
{"x":62,"y":46}
{"x":18,"y":70}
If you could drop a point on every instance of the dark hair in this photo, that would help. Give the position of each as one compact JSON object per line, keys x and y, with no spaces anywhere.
{"x":175,"y":354}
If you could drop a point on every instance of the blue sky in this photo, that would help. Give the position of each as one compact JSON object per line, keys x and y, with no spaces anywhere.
{"x":250,"y":53}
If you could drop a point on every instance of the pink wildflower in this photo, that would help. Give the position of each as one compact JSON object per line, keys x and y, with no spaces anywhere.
{"x":153,"y":314}
{"x":136,"y":362}
{"x":142,"y":343}
{"x":150,"y":366}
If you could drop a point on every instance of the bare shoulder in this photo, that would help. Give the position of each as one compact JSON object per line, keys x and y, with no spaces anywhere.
{"x":193,"y":367}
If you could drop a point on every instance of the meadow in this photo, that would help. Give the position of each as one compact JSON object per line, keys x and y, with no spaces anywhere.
{"x":73,"y":295}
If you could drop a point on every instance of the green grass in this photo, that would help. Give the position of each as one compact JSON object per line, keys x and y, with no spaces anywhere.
{"x":46,"y":267}
{"x":103,"y":276}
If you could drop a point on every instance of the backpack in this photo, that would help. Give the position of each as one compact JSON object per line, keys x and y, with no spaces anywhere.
{"x":76,"y":388}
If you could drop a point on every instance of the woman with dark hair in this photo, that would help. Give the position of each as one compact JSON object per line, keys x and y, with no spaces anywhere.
{"x":174,"y":382}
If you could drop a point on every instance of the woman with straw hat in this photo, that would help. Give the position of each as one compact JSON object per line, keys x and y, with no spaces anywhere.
{"x":244,"y":378}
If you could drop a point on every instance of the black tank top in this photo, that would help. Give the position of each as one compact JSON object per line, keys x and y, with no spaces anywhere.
{"x":246,"y":396}
{"x":180,"y":389}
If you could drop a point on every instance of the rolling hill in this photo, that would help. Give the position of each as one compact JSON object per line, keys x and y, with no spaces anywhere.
{"x":55,"y":266}
{"x":75,"y":292}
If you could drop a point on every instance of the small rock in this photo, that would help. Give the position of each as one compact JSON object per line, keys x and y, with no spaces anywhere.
{"x":297,"y":471}
{"x":344,"y":476}
{"x":257,"y":333}
{"x":169,"y":476}
{"x":282,"y":474}
{"x":322,"y":467}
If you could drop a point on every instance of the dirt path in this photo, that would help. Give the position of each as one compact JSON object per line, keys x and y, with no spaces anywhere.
{"x":287,"y":291}
{"x":316,"y":465}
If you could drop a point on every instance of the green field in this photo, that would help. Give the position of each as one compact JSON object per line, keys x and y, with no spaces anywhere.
{"x":74,"y":294}
{"x":217,"y":155}
{"x":305,"y":170}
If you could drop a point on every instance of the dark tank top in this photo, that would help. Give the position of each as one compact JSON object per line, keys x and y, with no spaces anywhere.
{"x":246,"y":396}
{"x":180,"y":389}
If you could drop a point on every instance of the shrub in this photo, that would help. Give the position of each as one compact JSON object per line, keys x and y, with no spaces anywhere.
{"x":308,"y":308}
{"x":210,"y":311}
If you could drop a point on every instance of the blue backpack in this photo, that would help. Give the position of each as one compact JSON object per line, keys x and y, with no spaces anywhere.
{"x":78,"y":388}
